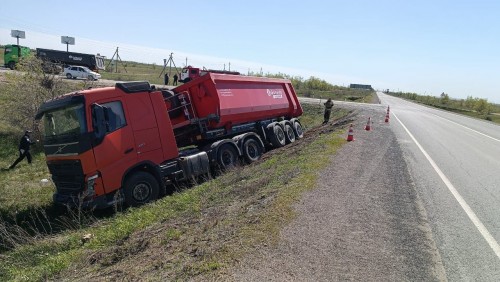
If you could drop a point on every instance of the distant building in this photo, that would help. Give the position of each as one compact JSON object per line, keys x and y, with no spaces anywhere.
{"x":361,"y":86}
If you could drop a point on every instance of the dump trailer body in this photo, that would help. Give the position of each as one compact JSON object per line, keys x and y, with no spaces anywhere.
{"x":236,"y":99}
{"x":93,"y":62}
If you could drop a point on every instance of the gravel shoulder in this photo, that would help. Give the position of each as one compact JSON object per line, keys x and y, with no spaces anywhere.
{"x":364,"y":221}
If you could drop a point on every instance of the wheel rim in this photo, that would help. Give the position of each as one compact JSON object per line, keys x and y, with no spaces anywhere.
{"x":298,"y":128}
{"x":252,"y":151}
{"x":280,"y":134}
{"x":291,"y":135}
{"x":141,"y":192}
{"x":227,"y":158}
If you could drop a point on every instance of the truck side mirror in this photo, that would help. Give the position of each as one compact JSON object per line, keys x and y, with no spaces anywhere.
{"x":98,"y":121}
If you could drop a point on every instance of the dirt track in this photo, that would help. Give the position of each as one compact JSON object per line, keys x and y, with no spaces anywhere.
{"x":364,"y":221}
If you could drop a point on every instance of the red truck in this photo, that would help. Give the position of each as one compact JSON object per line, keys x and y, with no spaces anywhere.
{"x":189,"y":73}
{"x":131,"y":143}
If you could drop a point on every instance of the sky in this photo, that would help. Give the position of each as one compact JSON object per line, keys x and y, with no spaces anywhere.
{"x":424,"y":47}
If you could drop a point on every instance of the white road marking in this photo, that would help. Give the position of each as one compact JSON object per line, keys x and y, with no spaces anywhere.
{"x":473,"y":130}
{"x":470,"y":213}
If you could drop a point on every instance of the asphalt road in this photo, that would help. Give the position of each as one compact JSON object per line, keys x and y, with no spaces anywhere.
{"x":363,"y":221}
{"x":456,"y":171}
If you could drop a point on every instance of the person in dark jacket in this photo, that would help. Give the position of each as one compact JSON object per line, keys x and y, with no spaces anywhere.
{"x":328,"y":110}
{"x":166,"y":79}
{"x":175,"y":79}
{"x":24,"y":149}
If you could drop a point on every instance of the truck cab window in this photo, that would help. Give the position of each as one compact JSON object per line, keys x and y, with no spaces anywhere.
{"x":115,"y":117}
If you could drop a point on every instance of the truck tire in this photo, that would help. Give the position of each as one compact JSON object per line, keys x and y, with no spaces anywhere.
{"x":11,"y":65}
{"x":277,"y":136}
{"x":140,"y":188}
{"x":68,"y":76}
{"x":297,"y":129}
{"x":252,"y":150}
{"x":227,"y":156}
{"x":289,"y":133}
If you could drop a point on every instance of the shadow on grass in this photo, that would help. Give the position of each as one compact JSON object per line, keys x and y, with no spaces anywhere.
{"x":26,"y":226}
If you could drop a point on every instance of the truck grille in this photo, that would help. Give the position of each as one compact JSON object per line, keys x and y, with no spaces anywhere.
{"x":67,"y":176}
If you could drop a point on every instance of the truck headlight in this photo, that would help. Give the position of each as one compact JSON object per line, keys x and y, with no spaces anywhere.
{"x":90,"y":184}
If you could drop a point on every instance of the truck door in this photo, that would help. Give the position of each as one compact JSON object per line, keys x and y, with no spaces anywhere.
{"x":115,"y":154}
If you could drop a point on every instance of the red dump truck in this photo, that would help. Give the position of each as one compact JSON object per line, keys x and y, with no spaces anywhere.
{"x":131,"y":143}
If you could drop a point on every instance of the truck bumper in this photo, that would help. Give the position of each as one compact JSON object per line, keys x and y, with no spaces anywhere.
{"x":99,"y":202}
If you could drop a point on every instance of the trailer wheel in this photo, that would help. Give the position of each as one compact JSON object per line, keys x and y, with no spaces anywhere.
{"x":140,"y":188}
{"x":68,"y":76}
{"x":297,"y":129}
{"x":277,"y":136}
{"x":289,"y":134}
{"x":227,"y":156}
{"x":252,"y":150}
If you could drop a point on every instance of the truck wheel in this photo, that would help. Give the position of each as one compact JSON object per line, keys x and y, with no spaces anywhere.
{"x":12,"y":65}
{"x":277,"y":136}
{"x":252,"y":150}
{"x":227,"y":156}
{"x":289,"y":134}
{"x":297,"y":129}
{"x":68,"y":75}
{"x":140,"y":188}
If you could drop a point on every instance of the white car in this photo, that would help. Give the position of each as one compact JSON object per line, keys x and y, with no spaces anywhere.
{"x":81,"y":72}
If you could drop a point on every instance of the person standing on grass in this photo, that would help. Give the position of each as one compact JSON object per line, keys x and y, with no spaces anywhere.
{"x":166,"y":79}
{"x":24,"y":148}
{"x":175,"y":79}
{"x":328,"y":110}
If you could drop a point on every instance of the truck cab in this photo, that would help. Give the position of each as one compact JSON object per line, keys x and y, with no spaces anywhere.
{"x":97,"y":141}
{"x":13,"y":53}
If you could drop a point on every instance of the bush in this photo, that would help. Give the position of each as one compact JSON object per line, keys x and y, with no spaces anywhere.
{"x":27,"y":90}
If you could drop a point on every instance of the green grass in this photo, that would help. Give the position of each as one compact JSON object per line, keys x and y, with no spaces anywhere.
{"x":133,"y":71}
{"x":218,"y":221}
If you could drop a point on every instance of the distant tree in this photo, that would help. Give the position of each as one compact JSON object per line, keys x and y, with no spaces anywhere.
{"x":482,"y":106}
{"x":470,"y":103}
{"x":445,"y":99}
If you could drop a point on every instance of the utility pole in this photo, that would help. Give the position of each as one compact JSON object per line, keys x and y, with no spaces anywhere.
{"x":169,"y":62}
{"x":117,"y":59}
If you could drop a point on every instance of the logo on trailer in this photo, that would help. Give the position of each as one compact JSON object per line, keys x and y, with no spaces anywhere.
{"x":226,"y":92}
{"x":275,"y":93}
{"x":75,"y":58}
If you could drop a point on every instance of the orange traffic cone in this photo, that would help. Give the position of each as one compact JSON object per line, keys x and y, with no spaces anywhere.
{"x":387,"y":117}
{"x":350,"y":135}
{"x":368,"y":126}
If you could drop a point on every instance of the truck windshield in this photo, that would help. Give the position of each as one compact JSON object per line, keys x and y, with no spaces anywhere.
{"x":65,"y":122}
